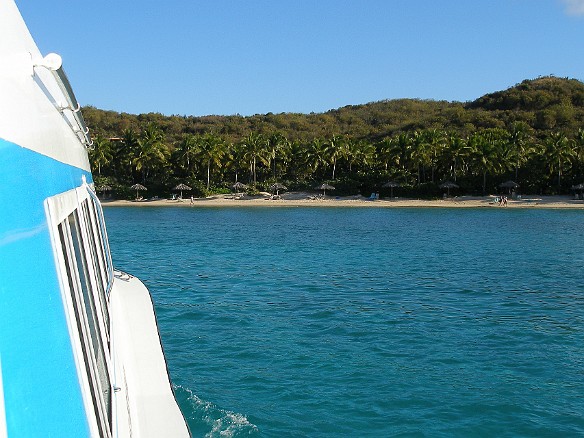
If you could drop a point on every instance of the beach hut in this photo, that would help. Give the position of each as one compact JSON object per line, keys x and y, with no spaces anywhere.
{"x":182,"y":187}
{"x":324,"y":187}
{"x":138,"y":188}
{"x":448,"y":185}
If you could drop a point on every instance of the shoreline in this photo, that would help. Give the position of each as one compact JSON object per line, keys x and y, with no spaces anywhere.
{"x":301,"y":199}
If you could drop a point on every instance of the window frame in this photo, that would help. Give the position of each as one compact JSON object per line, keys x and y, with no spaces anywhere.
{"x":87,"y":257}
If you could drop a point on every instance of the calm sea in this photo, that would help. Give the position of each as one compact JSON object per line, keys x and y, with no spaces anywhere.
{"x":327,"y":322}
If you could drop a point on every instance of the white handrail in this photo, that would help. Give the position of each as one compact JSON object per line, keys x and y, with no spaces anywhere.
{"x":53,"y":63}
{"x":74,"y":106}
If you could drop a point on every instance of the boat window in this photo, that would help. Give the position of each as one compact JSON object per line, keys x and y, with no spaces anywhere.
{"x":86,"y":271}
{"x":97,"y":260}
{"x":101,"y":237}
{"x":73,"y":238}
{"x":66,"y":245}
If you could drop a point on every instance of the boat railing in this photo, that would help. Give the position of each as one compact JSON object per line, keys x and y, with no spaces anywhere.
{"x":54,"y":64}
{"x":73,"y":106}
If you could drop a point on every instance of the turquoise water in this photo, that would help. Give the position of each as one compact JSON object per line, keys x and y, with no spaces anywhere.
{"x":366,"y":322}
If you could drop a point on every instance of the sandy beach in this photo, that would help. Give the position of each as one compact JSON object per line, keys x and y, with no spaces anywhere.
{"x":301,"y":199}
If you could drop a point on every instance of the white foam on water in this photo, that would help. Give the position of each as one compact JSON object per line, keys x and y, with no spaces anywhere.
{"x":230,"y":424}
{"x":223,"y":423}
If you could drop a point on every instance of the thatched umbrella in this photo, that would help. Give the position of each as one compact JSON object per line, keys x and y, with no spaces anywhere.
{"x":138,"y":187}
{"x":239,"y":186}
{"x":324,"y":187}
{"x":391,"y":185}
{"x":182,"y":187}
{"x":104,"y":188}
{"x":277,"y":187}
{"x":448,"y":185}
{"x":511,"y":185}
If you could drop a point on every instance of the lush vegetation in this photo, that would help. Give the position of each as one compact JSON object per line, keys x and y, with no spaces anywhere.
{"x":531,"y":133}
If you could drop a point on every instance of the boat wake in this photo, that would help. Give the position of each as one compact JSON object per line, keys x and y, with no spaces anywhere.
{"x":206,"y":419}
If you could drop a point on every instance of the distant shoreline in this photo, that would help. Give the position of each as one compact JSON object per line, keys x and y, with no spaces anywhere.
{"x":300,"y":199}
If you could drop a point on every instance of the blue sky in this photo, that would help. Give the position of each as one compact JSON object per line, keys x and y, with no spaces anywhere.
{"x":194,"y":57}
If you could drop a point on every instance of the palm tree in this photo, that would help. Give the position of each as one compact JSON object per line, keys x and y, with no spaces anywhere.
{"x":297,"y":159}
{"x":152,"y":151}
{"x":486,"y":146}
{"x":316,"y":155}
{"x":517,"y":143}
{"x":364,"y":154}
{"x":388,"y":152}
{"x":125,"y":152}
{"x":404,"y":144}
{"x":352,"y":153}
{"x":187,"y":152}
{"x":101,"y":154}
{"x":277,"y":145}
{"x":335,"y":149}
{"x":419,"y":153}
{"x":456,"y":155}
{"x":435,"y":142}
{"x":559,"y":152}
{"x":255,"y":146}
{"x":578,"y":143}
{"x":210,"y":150}
{"x":234,"y":156}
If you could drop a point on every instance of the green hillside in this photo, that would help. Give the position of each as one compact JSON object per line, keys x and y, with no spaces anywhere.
{"x":531,"y":131}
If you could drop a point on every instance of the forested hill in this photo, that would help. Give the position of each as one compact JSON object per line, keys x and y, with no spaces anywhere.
{"x":535,"y":95}
{"x":544,"y":104}
{"x":532,"y":133}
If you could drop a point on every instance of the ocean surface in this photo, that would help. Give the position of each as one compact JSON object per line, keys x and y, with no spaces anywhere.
{"x":364,"y":322}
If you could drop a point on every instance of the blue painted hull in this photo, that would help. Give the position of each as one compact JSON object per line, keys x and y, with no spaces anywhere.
{"x":42,"y":394}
